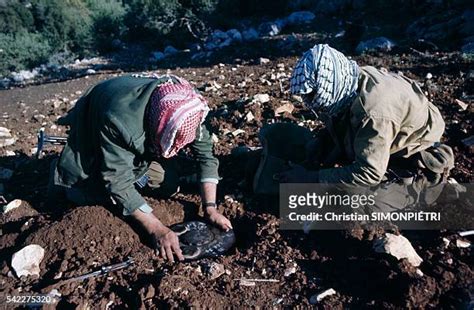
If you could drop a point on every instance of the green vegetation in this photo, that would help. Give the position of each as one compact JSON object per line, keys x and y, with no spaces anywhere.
{"x":35,"y":31}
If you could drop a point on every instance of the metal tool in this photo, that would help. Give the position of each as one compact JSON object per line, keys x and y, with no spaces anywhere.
{"x":44,"y":139}
{"x":103,"y":271}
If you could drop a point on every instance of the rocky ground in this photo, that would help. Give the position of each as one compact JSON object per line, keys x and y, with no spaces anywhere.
{"x":298,"y":266}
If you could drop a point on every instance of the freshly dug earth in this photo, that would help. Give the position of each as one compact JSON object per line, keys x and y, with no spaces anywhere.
{"x":79,"y":240}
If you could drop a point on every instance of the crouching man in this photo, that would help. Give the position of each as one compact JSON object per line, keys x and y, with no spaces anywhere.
{"x":123,"y":135}
{"x":379,"y":125}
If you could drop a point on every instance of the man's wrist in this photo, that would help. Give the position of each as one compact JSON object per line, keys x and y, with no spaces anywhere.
{"x":209,"y":205}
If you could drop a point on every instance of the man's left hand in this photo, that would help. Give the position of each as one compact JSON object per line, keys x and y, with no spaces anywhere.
{"x":218,"y":219}
{"x":298,"y":174}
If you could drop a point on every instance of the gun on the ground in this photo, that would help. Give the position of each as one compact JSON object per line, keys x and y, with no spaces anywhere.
{"x":45,"y":139}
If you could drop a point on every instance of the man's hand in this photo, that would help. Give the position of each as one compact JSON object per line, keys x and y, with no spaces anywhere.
{"x":298,"y":174}
{"x":168,"y":244}
{"x":164,"y":239}
{"x":217,"y":219}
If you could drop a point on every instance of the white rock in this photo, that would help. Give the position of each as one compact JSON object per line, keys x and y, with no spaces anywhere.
{"x":6,"y":137}
{"x":26,"y":261}
{"x":429,"y":76}
{"x":90,"y":71}
{"x":461,"y":104}
{"x":249,"y":117}
{"x":24,"y":75}
{"x":446,"y":242}
{"x":9,"y":153}
{"x":287,"y":107}
{"x":318,"y":297}
{"x":214,"y":270}
{"x":237,"y":132}
{"x":263,"y":60}
{"x":289,"y":271}
{"x":399,"y":247}
{"x":419,"y":272}
{"x":55,"y":293}
{"x":5,"y":173}
{"x":261,"y":98}
{"x":12,"y":205}
{"x":462,"y":244}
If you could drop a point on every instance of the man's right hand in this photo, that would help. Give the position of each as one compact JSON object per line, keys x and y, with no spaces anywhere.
{"x":164,"y":239}
{"x":167,"y":242}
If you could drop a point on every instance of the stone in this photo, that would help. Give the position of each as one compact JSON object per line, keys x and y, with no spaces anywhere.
{"x":287,"y":107}
{"x":272,"y":28}
{"x":318,"y":297}
{"x":399,"y":247}
{"x":419,"y":272}
{"x":170,"y":50}
{"x":234,"y":34}
{"x":300,"y":17}
{"x":429,"y":76}
{"x":289,"y":271}
{"x":375,"y":44}
{"x":5,"y":83}
{"x":26,"y":261}
{"x":91,"y":71}
{"x":249,"y":117}
{"x":214,"y":270}
{"x":23,"y":75}
{"x":461,"y":104}
{"x":250,"y":34}
{"x":263,"y":60}
{"x":6,"y":138}
{"x":158,"y":56}
{"x":237,"y":132}
{"x":261,"y":98}
{"x":462,"y":244}
{"x":12,"y":205}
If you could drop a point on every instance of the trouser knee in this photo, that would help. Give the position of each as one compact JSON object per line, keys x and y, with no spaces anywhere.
{"x":163,"y":178}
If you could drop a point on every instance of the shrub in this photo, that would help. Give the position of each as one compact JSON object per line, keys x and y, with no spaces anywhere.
{"x":151,"y":19}
{"x":22,"y":50}
{"x":15,"y":17}
{"x":67,"y":24}
{"x":108,"y":22}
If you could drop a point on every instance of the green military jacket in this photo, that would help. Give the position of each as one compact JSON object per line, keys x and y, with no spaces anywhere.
{"x":390,"y":117}
{"x":107,"y":142}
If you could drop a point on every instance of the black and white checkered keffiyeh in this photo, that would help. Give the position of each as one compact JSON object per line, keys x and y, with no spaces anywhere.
{"x":325,"y":78}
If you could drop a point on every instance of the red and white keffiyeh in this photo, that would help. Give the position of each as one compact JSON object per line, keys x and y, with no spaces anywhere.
{"x":176,"y":111}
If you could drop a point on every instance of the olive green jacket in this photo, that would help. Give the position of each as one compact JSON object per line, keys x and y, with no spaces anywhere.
{"x":390,"y":117}
{"x":107,"y":143}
